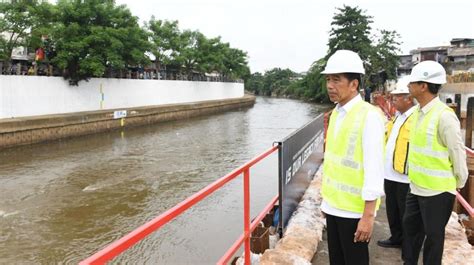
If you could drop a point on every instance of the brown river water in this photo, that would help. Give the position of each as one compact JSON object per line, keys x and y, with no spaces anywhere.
{"x":62,"y":201}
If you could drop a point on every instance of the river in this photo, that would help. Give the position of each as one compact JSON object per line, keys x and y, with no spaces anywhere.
{"x":62,"y":201}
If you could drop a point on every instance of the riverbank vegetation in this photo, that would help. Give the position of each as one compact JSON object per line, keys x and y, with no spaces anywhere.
{"x":97,"y":38}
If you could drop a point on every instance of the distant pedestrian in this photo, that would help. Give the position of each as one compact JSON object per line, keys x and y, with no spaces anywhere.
{"x":436,"y":166}
{"x":367,"y":93}
{"x":13,"y":69}
{"x":31,"y":70}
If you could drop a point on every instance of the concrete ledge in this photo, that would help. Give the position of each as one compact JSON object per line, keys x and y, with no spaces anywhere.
{"x":35,"y":129}
{"x":457,"y":249}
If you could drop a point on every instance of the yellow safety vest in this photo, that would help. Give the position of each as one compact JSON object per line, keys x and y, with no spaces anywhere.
{"x":400,"y":153}
{"x":429,"y":166}
{"x":343,"y":170}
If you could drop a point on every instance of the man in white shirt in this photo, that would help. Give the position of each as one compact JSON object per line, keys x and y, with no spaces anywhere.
{"x":353,"y":171}
{"x":396,"y":182}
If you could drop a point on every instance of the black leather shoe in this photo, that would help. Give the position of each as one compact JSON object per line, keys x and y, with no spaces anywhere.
{"x":389,"y":244}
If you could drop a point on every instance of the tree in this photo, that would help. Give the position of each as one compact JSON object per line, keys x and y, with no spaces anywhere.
{"x":164,"y":36}
{"x":315,"y":83}
{"x":235,"y":63}
{"x":95,"y":36}
{"x":189,"y":52}
{"x":255,"y":83}
{"x":350,"y":30}
{"x":384,"y":59}
{"x":21,"y":24}
{"x":276,"y":81}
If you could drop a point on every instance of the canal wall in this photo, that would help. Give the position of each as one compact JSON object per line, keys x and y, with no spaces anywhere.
{"x":22,"y":96}
{"x":35,"y":129}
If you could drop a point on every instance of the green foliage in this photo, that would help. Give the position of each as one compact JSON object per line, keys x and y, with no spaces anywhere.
{"x":351,"y":29}
{"x":190,"y":51}
{"x":22,"y":23}
{"x":315,"y":83}
{"x":255,"y":83}
{"x":383,"y":58}
{"x":276,"y":81}
{"x":94,"y":36}
{"x":164,"y":36}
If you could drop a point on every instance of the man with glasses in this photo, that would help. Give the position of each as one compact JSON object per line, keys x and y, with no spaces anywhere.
{"x":436,"y":166}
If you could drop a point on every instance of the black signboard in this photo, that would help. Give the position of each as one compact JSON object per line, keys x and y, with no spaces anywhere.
{"x":300,"y":156}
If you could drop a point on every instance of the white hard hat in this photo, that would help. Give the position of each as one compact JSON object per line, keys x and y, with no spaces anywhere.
{"x":402,"y":86}
{"x":428,"y":71}
{"x":344,"y":61}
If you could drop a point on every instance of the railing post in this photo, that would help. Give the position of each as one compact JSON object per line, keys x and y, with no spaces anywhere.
{"x":469,"y":116}
{"x":247,"y":215}
{"x":457,"y":100}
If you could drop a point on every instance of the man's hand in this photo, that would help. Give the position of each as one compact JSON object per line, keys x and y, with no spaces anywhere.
{"x":366,"y":223}
{"x":364,"y":229}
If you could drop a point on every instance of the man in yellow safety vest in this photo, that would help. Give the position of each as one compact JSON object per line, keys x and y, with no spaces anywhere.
{"x":353,"y":168}
{"x":436,"y":166}
{"x":396,"y":182}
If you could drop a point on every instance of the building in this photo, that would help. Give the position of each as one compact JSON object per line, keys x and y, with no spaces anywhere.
{"x":461,"y":56}
{"x":437,"y":53}
{"x":405,"y":65}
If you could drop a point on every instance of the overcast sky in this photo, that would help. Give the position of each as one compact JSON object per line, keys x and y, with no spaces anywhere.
{"x":294,"y":33}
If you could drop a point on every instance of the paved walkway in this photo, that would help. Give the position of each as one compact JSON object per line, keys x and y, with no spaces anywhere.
{"x":378,"y":255}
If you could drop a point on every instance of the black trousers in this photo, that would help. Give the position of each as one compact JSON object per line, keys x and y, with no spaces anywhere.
{"x":395,"y":199}
{"x":426,"y":217}
{"x":342,"y":249}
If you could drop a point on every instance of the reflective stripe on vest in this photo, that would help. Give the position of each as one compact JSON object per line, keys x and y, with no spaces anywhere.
{"x":428,"y":161}
{"x":343,"y":175}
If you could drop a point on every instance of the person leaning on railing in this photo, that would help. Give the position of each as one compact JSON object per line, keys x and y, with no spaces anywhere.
{"x":353,"y":171}
{"x":436,"y":166}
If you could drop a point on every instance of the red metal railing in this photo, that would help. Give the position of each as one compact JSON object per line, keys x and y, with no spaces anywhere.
{"x":140,"y":233}
{"x":465,"y":204}
{"x":469,"y":151}
{"x":245,"y":236}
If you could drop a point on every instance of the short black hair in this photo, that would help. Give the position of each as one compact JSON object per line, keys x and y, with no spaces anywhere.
{"x":433,"y":88}
{"x":354,"y":76}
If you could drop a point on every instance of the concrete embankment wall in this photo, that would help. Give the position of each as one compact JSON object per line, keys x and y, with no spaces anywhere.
{"x":35,"y":129}
{"x":22,"y":96}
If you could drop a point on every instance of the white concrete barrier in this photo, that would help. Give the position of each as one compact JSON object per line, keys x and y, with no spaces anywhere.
{"x":22,"y":96}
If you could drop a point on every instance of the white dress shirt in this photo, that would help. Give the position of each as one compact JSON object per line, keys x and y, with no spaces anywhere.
{"x":373,"y":150}
{"x":390,"y":173}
